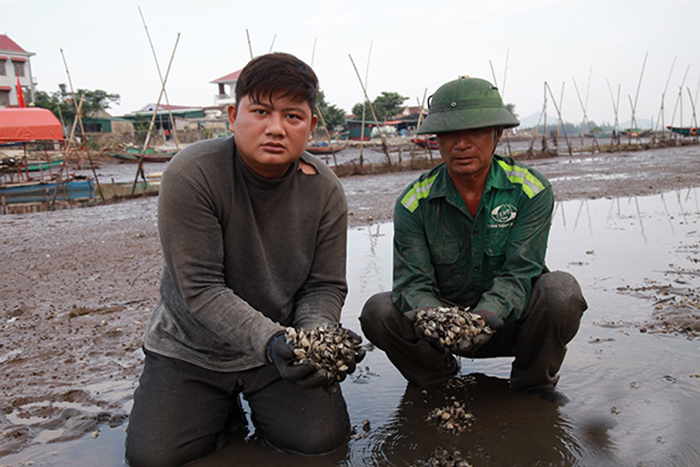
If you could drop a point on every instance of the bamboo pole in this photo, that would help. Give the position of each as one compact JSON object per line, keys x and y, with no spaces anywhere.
{"x":585,"y":117}
{"x":385,"y":145}
{"x":661,"y":118}
{"x":82,"y":130}
{"x":566,"y":138}
{"x":544,"y":131}
{"x":250,"y":47}
{"x":495,"y":83}
{"x":328,"y":135}
{"x":539,"y":119}
{"x":694,"y":121}
{"x":66,"y":151}
{"x":139,"y":169}
{"x":160,"y":76}
{"x":679,"y":99}
{"x":421,"y":106}
{"x":616,"y":106}
{"x":364,"y":105}
{"x":633,"y":122}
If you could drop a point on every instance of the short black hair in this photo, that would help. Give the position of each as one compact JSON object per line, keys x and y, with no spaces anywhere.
{"x":267,"y":74}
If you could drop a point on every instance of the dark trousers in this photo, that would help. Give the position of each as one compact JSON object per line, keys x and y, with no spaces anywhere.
{"x":181,"y":409}
{"x":537,"y":340}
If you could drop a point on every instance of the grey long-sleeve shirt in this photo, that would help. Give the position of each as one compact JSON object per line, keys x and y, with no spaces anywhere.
{"x":245,"y":256}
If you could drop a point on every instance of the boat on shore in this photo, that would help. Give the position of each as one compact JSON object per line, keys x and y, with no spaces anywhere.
{"x":323,"y":147}
{"x":685,"y":131}
{"x":42,"y":195}
{"x":636,"y":133}
{"x":149,"y":155}
{"x":424,"y":143}
{"x":12,"y":164}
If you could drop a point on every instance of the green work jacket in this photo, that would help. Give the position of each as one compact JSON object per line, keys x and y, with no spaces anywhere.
{"x":444,"y":255}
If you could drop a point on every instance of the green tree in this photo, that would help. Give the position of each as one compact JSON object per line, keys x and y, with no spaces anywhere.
{"x":388,"y":104}
{"x":332,"y":115}
{"x":511,"y":108}
{"x":61,"y":102}
{"x":357,"y":111}
{"x":385,"y":106}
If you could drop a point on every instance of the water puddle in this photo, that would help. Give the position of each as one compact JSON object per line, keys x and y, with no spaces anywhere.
{"x":633,"y":393}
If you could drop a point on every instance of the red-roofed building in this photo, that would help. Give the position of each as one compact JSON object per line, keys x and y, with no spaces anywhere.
{"x":14,"y":65}
{"x":223,"y":97}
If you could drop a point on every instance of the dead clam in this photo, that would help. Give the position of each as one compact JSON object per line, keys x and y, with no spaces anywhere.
{"x":443,"y":458}
{"x":453,"y":418}
{"x":453,"y":327}
{"x":331,"y":348}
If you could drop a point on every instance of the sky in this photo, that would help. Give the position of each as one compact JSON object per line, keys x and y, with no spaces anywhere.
{"x":616,"y":54}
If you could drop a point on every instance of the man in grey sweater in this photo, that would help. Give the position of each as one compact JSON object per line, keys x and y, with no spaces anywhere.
{"x":254,"y":233}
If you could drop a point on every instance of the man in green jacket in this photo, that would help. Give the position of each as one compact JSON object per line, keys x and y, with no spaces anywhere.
{"x":472,"y":232}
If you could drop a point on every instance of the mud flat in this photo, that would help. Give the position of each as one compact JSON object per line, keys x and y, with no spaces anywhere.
{"x":77,"y":286}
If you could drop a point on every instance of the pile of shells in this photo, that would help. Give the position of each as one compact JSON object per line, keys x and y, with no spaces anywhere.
{"x":452,"y":418}
{"x":443,"y":458}
{"x":331,"y":348}
{"x":453,"y":327}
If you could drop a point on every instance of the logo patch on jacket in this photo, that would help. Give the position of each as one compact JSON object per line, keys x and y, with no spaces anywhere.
{"x":504,"y":213}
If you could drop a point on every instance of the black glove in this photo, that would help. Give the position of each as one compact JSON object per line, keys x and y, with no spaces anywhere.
{"x":467,"y":348}
{"x":432,"y":336}
{"x":281,"y":354}
{"x":491,"y":319}
{"x":352,"y":361}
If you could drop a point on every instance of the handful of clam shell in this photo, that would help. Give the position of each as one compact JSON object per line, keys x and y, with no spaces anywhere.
{"x":330,"y":348}
{"x":452,"y":418}
{"x":452,"y":327}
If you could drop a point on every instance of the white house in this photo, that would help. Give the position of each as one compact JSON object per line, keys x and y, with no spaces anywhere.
{"x":14,"y":63}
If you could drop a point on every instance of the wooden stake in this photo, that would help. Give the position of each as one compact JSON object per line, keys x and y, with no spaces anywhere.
{"x":250,"y":47}
{"x":560,"y":119}
{"x":160,"y":76}
{"x":82,"y":130}
{"x":139,"y":169}
{"x":585,"y":118}
{"x":364,"y":106}
{"x":385,"y":145}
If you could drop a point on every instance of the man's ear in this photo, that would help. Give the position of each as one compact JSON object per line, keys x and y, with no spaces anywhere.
{"x":499,"y":134}
{"x":314,"y":121}
{"x":232,"y":112}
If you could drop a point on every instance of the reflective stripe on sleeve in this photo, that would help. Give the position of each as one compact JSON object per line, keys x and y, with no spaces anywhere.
{"x":530,"y":184}
{"x":418,"y":191}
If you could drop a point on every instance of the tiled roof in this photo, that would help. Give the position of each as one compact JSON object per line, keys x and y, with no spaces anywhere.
{"x":9,"y":45}
{"x":228,"y":78}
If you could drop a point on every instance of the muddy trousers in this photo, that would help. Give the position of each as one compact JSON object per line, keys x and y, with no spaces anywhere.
{"x":537,"y":340}
{"x":180,"y":411}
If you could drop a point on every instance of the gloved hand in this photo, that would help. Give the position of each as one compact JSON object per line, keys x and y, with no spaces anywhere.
{"x":467,"y":348}
{"x":281,"y":354}
{"x":360,"y":352}
{"x":431,"y":337}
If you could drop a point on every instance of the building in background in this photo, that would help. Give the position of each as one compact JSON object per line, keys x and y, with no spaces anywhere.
{"x":14,"y":67}
{"x":223,"y":98}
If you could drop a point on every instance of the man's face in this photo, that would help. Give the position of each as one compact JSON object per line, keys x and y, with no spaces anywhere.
{"x":271,"y":135}
{"x":468,"y":152}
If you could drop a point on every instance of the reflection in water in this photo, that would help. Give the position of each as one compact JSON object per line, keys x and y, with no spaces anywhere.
{"x":511,"y":428}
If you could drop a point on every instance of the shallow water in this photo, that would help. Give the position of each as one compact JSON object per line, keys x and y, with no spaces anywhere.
{"x":633,"y":395}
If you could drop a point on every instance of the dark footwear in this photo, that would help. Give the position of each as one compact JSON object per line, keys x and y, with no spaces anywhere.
{"x":550,"y":395}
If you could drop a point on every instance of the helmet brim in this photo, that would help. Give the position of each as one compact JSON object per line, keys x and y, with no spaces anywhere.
{"x":467,"y":119}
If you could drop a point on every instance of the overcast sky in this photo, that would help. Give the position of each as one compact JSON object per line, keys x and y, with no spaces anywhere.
{"x":416,"y":45}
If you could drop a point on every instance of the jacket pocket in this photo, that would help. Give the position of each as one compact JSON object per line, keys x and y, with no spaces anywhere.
{"x":446,"y":252}
{"x":495,"y":247}
{"x":449,"y":272}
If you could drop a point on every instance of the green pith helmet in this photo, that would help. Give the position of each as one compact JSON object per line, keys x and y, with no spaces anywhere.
{"x":466,"y":104}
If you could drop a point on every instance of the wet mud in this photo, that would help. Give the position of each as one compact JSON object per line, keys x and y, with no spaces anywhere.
{"x":78,"y":285}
